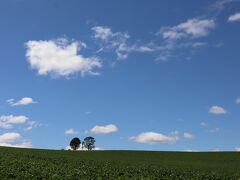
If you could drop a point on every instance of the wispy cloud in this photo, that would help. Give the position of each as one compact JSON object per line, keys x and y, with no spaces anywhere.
{"x":186,"y":35}
{"x":111,"y":128}
{"x":218,"y":6}
{"x":88,"y":112}
{"x":22,"y":102}
{"x":118,"y":41}
{"x":111,"y":40}
{"x":214,"y":130}
{"x":203,"y":124}
{"x":192,"y":28}
{"x":237,"y":101}
{"x":31,"y":125}
{"x":60,"y":58}
{"x":154,"y":138}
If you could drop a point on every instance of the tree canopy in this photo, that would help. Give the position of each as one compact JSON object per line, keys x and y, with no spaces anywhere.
{"x":75,"y":143}
{"x":89,"y":143}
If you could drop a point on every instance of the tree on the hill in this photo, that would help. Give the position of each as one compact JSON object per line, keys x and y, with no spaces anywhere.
{"x":75,"y":143}
{"x":89,"y":143}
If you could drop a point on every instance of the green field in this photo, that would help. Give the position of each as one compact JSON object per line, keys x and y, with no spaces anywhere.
{"x":52,"y":164}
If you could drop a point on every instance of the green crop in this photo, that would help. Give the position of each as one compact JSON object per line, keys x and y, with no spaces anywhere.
{"x":51,"y":164}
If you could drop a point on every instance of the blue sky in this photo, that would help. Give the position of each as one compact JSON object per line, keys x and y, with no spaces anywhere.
{"x":142,"y":75}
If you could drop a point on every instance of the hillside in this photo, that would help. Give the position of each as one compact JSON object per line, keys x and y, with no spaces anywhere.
{"x":53,"y":164}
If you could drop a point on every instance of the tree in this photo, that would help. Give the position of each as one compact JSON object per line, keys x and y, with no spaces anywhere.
{"x":75,"y":143}
{"x":89,"y":143}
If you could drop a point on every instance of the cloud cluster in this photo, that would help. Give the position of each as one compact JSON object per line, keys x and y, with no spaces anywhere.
{"x":22,"y":102}
{"x":154,"y":138}
{"x":7,"y":122}
{"x":111,"y":128}
{"x":60,"y":58}
{"x":8,"y":138}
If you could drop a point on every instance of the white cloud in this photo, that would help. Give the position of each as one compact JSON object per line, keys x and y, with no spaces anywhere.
{"x":183,"y":36}
{"x":238,"y":101}
{"x":214,"y":130}
{"x":31,"y":125}
{"x":71,"y":131}
{"x":110,"y":40}
{"x":237,"y":149}
{"x":60,"y":58}
{"x":8,"y":121}
{"x":24,"y":144}
{"x":203,"y":124}
{"x":9,"y":137}
{"x":101,"y":32}
{"x":219,"y":5}
{"x":23,"y":102}
{"x":121,"y":44}
{"x":188,"y":135}
{"x":10,"y":101}
{"x":174,"y":133}
{"x":84,"y":149}
{"x":154,"y":138}
{"x":68,"y":147}
{"x":111,"y":128}
{"x":217,"y":110}
{"x":198,"y":44}
{"x":29,"y":128}
{"x":234,"y":17}
{"x":216,"y":150}
{"x":190,"y":150}
{"x":88,"y":112}
{"x":191,"y":28}
{"x":119,"y":41}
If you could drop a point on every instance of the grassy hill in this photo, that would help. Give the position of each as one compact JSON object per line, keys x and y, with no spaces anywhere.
{"x":52,"y":164}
